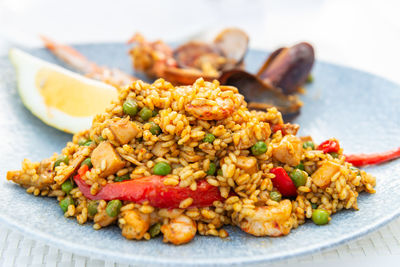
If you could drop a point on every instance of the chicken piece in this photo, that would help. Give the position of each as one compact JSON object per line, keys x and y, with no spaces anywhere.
{"x":288,"y":150}
{"x":322,"y":176}
{"x":248,"y":164}
{"x":124,"y":130}
{"x":105,"y":152}
{"x":136,"y":224}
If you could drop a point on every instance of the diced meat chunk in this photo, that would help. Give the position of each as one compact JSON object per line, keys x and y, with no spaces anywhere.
{"x":248,"y":164}
{"x":322,"y":176}
{"x":124,"y":131}
{"x":288,"y":150}
{"x":105,"y":152}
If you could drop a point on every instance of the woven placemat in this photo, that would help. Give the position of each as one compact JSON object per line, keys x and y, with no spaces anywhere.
{"x":19,"y":250}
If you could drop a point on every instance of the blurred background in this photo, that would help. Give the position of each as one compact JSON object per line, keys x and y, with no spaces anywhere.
{"x":363,"y":34}
{"x":360,"y":33}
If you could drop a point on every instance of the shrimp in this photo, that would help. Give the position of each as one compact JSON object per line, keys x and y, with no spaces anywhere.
{"x":269,"y":220}
{"x":135,"y":224}
{"x":151,"y":57}
{"x":103,"y":219}
{"x":80,"y":63}
{"x":205,"y":109}
{"x":179,"y":230}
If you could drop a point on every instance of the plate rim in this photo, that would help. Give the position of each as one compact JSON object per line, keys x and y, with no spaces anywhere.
{"x":140,"y":259}
{"x":104,"y":254}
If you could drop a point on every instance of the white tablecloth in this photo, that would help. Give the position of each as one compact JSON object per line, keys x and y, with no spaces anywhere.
{"x":364,"y":34}
{"x":381,"y":248}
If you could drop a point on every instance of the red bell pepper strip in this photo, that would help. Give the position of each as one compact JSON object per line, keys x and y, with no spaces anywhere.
{"x":329,"y":146}
{"x":283,"y":182}
{"x":153,"y":190}
{"x":359,"y":160}
{"x":82,"y":170}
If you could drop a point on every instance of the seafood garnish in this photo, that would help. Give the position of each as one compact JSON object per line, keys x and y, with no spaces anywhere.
{"x":192,"y":60}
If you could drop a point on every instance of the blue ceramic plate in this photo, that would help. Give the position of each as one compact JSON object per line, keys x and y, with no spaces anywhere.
{"x":358,"y":108}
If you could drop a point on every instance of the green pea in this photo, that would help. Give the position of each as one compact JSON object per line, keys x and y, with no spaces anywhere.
{"x":212,"y":168}
{"x":308,"y":144}
{"x":320,"y":217}
{"x":310,"y":78}
{"x":61,"y":158}
{"x":162,"y":168}
{"x":82,"y":141}
{"x":298,"y":177}
{"x":88,"y":162}
{"x":100,"y":138}
{"x":92,"y":207}
{"x":275,"y":196}
{"x":66,"y":202}
{"x":334,"y":155}
{"x":154,"y":113}
{"x":209,"y":138}
{"x":67,"y":186}
{"x":155,"y":230}
{"x":130,"y":107}
{"x":219,"y":172}
{"x":155,"y":129}
{"x":113,"y":207}
{"x":314,"y":206}
{"x":300,"y":166}
{"x":122,"y":178}
{"x":259,"y":148}
{"x":88,"y":143}
{"x":145,"y":113}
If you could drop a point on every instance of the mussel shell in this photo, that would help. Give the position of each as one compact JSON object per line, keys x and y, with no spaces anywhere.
{"x":261,"y":95}
{"x":270,"y":58}
{"x":288,"y":68}
{"x":179,"y":76}
{"x":232,"y":44}
{"x":187,"y":55}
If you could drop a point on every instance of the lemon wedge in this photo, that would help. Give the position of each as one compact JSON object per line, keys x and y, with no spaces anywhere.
{"x":59,"y":97}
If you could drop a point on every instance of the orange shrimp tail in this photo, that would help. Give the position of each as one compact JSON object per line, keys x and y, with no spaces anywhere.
{"x":70,"y":56}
